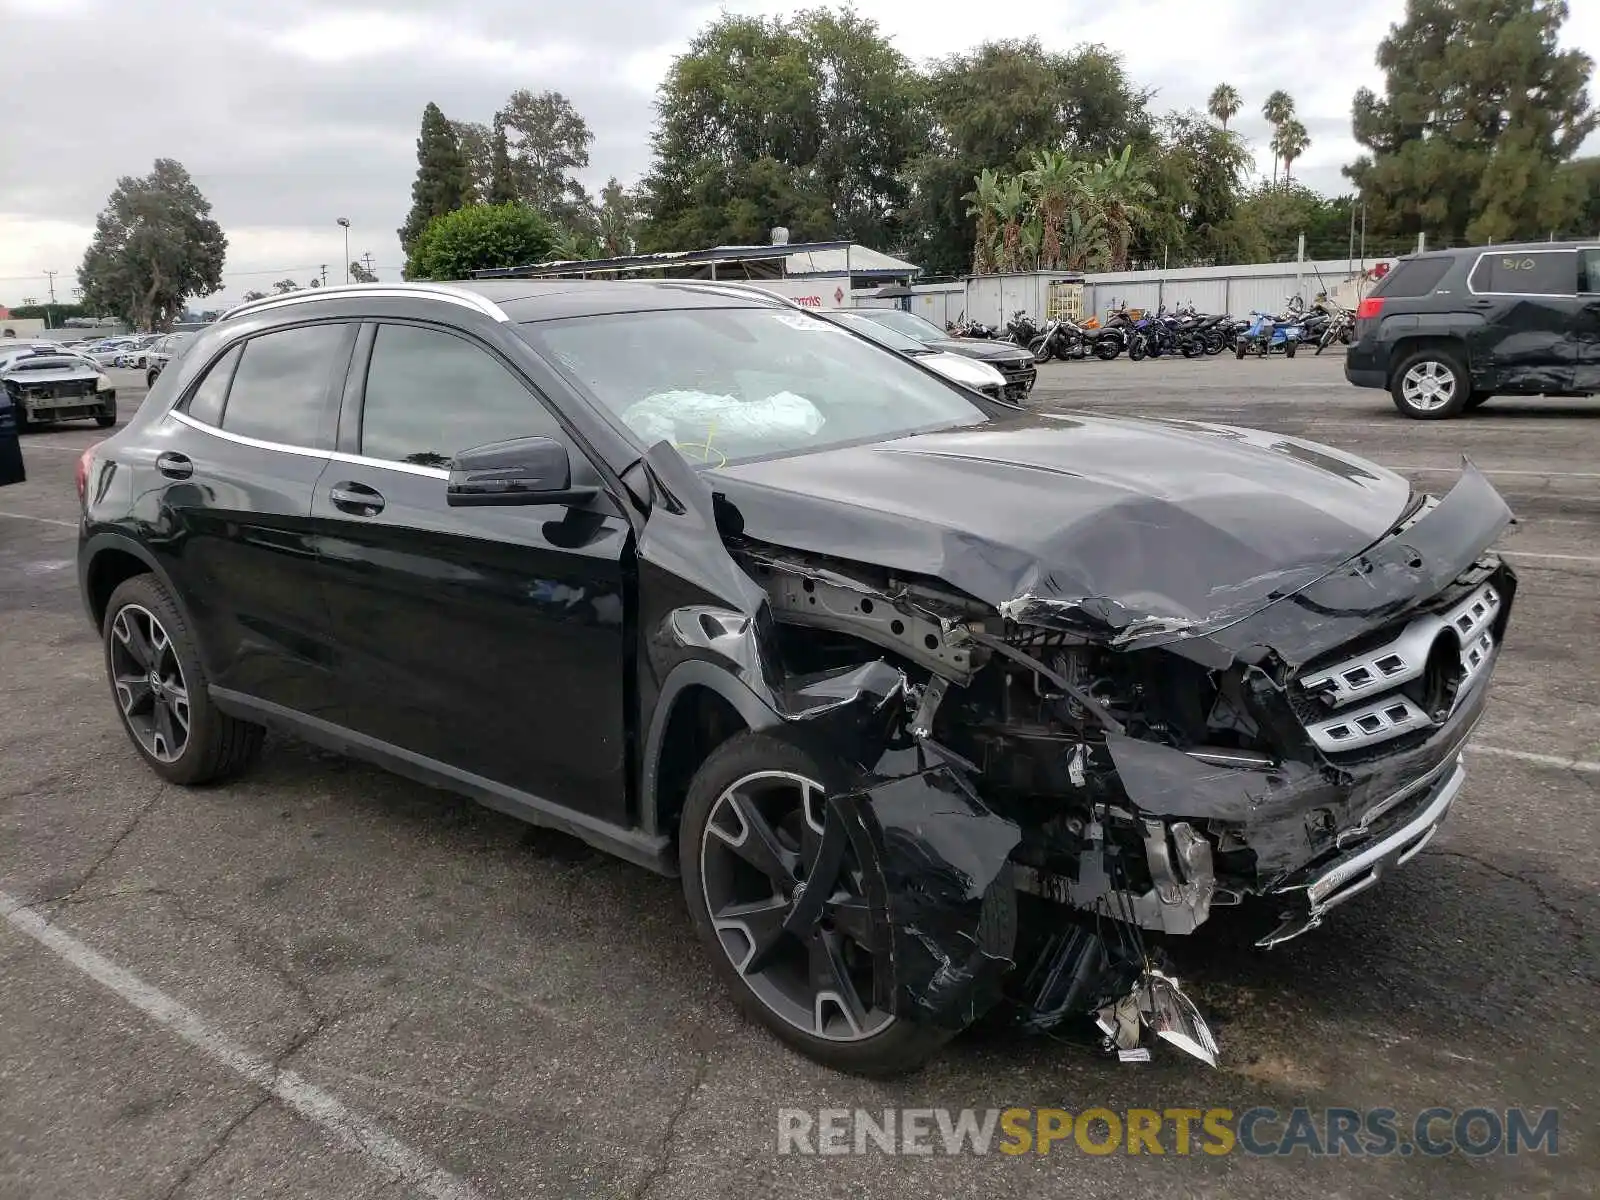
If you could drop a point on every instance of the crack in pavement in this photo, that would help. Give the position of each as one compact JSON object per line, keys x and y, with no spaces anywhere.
{"x":254,"y":948}
{"x":139,"y":815}
{"x":217,"y":1145}
{"x":669,"y":1135}
{"x":1571,"y":922}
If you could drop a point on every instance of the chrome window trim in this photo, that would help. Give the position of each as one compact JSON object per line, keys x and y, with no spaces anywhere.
{"x":1572,"y":295}
{"x":243,"y":440}
{"x":378,"y":291}
{"x":388,"y":464}
{"x":354,"y":460}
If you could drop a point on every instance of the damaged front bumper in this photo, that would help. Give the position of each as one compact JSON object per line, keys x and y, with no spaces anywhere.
{"x":1326,"y":884}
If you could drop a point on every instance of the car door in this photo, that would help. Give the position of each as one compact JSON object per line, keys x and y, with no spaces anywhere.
{"x":235,"y":462}
{"x":489,"y":640}
{"x":1586,"y":376}
{"x":1528,"y":298}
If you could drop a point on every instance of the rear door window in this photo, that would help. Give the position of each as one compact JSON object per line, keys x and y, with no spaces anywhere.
{"x":1526,"y":273}
{"x":1414,"y":277}
{"x":280,"y":387}
{"x":205,"y":403}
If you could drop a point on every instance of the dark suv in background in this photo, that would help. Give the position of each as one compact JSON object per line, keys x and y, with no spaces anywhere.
{"x":1447,"y":330}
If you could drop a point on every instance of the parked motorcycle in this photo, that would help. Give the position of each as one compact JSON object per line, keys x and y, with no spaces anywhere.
{"x":1066,"y":340}
{"x":961,"y":327}
{"x":1340,"y":328}
{"x":1267,"y":334}
{"x":1021,"y":329}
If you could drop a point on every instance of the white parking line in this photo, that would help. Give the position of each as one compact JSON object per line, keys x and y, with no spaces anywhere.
{"x":289,"y":1088}
{"x":1582,"y":558}
{"x":1543,"y":760}
{"x":15,"y":516}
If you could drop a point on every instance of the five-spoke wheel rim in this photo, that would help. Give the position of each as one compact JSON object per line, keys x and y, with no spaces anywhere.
{"x":149,"y":683}
{"x":770,"y":840}
{"x":1428,"y":386}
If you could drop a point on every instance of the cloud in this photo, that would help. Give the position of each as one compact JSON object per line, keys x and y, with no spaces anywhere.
{"x":291,"y":114}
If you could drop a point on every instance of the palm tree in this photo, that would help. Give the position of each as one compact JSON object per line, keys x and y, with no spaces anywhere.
{"x":1289,"y":143}
{"x":1010,"y":203}
{"x":1054,"y":179}
{"x":1224,"y":103}
{"x":1084,"y":246}
{"x":1278,"y":108}
{"x":981,"y":204}
{"x":1120,"y":188}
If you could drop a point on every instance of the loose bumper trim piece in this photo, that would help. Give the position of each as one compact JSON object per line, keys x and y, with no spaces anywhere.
{"x":1325,"y":886}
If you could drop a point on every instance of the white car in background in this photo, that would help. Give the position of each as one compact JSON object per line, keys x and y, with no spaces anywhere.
{"x":968,"y":372}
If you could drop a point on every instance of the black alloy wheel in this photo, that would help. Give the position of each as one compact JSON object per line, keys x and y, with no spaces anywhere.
{"x":780,"y":898}
{"x":148,"y":680}
{"x":159,"y":687}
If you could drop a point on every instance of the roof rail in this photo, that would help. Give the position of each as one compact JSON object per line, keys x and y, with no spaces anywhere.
{"x":432,"y":291}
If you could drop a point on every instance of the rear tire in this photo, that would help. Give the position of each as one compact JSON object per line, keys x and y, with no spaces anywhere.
{"x":107,"y":416}
{"x":159,"y":688}
{"x":746,"y":778}
{"x":1106,"y":349}
{"x":1430,"y":385}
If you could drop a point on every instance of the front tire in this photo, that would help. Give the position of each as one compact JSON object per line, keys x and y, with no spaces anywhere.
{"x":1431,"y":385}
{"x":107,"y":416}
{"x":1289,"y":348}
{"x":159,"y":688}
{"x":755,"y":818}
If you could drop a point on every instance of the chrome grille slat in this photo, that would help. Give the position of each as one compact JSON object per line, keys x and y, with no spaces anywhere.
{"x":1375,"y":677}
{"x":1405,"y":658}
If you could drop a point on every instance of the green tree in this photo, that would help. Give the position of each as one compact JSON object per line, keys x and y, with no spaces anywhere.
{"x":618,"y":219}
{"x":360,"y":274}
{"x":252,"y":294}
{"x":547,"y":141}
{"x":1582,"y":177}
{"x":479,"y":238}
{"x":476,"y":143}
{"x":1224,"y":103}
{"x":443,"y":183}
{"x":996,"y":106}
{"x":805,"y":122}
{"x":1289,"y":142}
{"x":155,"y":244}
{"x":284,"y":286}
{"x":1480,"y":109}
{"x":1198,"y":171}
{"x":502,"y":183}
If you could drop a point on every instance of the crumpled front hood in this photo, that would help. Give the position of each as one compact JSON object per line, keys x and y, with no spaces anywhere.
{"x":1143,"y":527}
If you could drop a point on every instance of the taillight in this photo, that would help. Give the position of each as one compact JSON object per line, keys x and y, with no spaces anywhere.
{"x":85,"y":460}
{"x":1369,"y":307}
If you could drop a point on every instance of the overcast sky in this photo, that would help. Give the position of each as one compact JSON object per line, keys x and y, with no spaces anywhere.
{"x":292,"y":113}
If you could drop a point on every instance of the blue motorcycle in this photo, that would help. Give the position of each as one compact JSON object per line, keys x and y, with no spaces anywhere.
{"x":1269,"y":335}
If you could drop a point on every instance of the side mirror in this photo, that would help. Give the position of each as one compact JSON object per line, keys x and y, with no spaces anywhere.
{"x":531,"y":470}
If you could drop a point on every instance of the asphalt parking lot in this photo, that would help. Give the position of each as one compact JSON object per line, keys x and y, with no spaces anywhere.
{"x":496,"y":1011}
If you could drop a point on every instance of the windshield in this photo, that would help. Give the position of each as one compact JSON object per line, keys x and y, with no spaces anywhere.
{"x":888,"y":338}
{"x":729,"y":384}
{"x":909,"y":324}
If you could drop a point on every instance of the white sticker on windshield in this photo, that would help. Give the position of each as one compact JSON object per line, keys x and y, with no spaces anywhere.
{"x":795,"y":320}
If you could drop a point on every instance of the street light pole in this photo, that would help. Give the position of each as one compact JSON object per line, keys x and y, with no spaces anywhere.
{"x":344,"y":223}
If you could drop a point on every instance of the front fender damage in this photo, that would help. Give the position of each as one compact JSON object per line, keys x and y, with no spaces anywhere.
{"x":938,"y":858}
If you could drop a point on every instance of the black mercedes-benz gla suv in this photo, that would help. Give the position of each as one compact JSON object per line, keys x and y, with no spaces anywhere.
{"x":937,"y":706}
